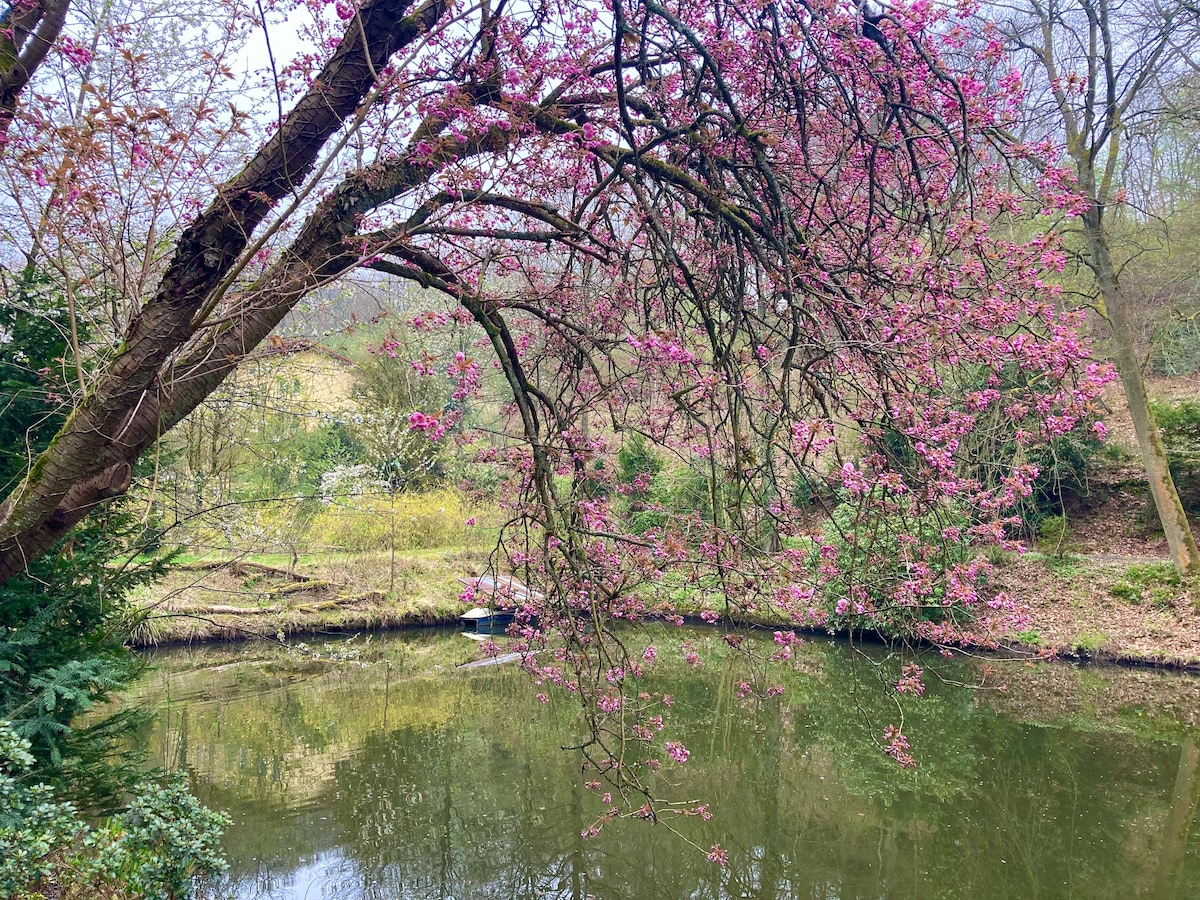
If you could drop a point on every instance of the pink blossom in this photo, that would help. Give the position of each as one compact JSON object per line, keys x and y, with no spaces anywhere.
{"x":678,"y":752}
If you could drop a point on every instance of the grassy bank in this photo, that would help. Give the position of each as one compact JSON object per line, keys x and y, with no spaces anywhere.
{"x":1086,"y":605}
{"x":263,"y":596}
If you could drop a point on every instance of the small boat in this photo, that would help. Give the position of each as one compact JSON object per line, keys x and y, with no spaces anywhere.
{"x":505,"y":592}
{"x":483,"y":620}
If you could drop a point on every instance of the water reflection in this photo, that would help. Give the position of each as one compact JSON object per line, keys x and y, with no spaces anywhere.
{"x":405,"y":778}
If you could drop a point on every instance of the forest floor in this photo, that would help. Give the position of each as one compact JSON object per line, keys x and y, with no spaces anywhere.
{"x":1109,"y":594}
{"x":272,"y":596}
{"x":1109,"y":591}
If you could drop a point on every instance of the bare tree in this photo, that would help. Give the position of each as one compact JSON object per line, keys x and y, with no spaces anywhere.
{"x":1095,"y":72}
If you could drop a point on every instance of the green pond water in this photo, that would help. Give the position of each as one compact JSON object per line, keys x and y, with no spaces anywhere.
{"x":397,"y":775}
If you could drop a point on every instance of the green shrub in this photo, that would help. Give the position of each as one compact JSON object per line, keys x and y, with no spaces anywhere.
{"x":1053,"y":533}
{"x":34,"y":390}
{"x":674,"y":491}
{"x":1179,"y":425}
{"x":156,"y":848}
{"x":1177,"y":347}
{"x":992,"y":449}
{"x":894,"y":563}
{"x":63,"y":624}
{"x":422,"y":521}
{"x":293,"y":459}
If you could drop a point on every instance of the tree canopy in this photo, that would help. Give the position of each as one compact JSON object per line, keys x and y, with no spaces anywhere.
{"x":772,"y":241}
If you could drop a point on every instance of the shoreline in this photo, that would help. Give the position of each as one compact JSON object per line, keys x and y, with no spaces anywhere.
{"x":385,"y":621}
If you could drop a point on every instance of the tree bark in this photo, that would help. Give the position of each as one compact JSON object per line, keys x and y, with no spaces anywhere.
{"x":120,"y":418}
{"x":28,"y":33}
{"x":1154,"y":456}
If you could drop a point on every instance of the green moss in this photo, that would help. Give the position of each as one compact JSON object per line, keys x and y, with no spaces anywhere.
{"x":1089,"y":641}
{"x":1156,"y":583}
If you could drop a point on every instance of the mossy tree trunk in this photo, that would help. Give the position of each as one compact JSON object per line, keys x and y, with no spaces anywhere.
{"x":174,"y":355}
{"x":1129,"y":365}
{"x":1095,"y":67}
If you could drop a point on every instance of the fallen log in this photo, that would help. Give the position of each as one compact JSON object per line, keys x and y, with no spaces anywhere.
{"x":241,"y":567}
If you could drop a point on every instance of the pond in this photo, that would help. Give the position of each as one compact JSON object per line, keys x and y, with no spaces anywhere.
{"x":397,"y":775}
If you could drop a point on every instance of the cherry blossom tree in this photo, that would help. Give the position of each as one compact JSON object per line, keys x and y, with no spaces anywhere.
{"x":28,"y":30}
{"x":761,"y":237}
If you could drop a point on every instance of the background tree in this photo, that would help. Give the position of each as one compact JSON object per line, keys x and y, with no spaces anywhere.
{"x":1098,"y":73}
{"x":389,"y":389}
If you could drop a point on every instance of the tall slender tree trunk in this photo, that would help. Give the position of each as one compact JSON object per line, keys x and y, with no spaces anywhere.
{"x":1154,"y":456}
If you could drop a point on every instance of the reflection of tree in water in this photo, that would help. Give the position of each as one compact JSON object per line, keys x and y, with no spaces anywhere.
{"x":1180,"y":822}
{"x":466,"y":793}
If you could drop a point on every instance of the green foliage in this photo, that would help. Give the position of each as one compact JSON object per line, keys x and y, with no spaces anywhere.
{"x":893,"y":563}
{"x":299,"y":457}
{"x":62,"y":628}
{"x":639,"y":473}
{"x":1053,"y":533}
{"x":1179,"y":425}
{"x":1064,"y":464}
{"x":1153,"y":583}
{"x":1063,"y":565}
{"x":637,"y":461}
{"x":1089,"y":641}
{"x":155,"y":849}
{"x":1177,"y":347}
{"x":421,"y":521}
{"x":998,"y":557}
{"x":388,"y":390}
{"x":673,"y":492}
{"x":34,"y":397}
{"x":807,"y":492}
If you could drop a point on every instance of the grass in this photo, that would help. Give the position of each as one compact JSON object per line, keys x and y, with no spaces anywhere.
{"x":1154,"y":583}
{"x":1089,"y":641}
{"x":1063,"y":566}
{"x":332,"y":591}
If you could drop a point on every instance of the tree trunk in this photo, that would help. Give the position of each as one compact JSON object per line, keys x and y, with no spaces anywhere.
{"x":27,"y":32}
{"x":1154,"y":456}
{"x":88,"y":459}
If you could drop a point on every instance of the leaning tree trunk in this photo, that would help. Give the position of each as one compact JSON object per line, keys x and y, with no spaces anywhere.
{"x":1154,"y":456}
{"x":91,"y":458}
{"x":27,"y":32}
